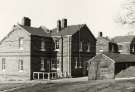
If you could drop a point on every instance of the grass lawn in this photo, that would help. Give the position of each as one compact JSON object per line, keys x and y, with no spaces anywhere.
{"x":81,"y":86}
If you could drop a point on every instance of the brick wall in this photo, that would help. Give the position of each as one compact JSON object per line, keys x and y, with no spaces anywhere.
{"x":83,"y":35}
{"x":9,"y":49}
{"x":101,"y":67}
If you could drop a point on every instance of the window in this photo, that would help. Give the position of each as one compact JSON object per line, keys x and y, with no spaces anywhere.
{"x":3,"y":64}
{"x":120,"y":47}
{"x":80,"y":63}
{"x":42,"y":64}
{"x":21,"y":43}
{"x":57,"y":44}
{"x":20,"y":65}
{"x":42,"y":45}
{"x":88,"y":50}
{"x":80,"y":48}
{"x":133,"y":48}
{"x":53,"y":64}
{"x":76,"y":63}
{"x":58,"y":65}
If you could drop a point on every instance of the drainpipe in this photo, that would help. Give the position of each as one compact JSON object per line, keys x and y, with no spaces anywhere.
{"x":62,"y":54}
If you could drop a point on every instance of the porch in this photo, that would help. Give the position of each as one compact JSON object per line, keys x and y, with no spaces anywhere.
{"x":49,"y":75}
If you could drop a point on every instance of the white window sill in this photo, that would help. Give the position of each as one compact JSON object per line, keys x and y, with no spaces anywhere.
{"x":42,"y":69}
{"x":42,"y":50}
{"x":3,"y":70}
{"x":21,"y":70}
{"x":21,"y":49}
{"x":57,"y":49}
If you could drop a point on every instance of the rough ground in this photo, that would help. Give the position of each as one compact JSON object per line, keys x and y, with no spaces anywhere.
{"x":129,"y":72}
{"x":78,"y":85}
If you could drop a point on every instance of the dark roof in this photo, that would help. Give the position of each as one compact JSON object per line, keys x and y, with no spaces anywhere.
{"x":119,"y":39}
{"x":69,"y":30}
{"x":118,"y":58}
{"x":121,"y":57}
{"x":36,"y":31}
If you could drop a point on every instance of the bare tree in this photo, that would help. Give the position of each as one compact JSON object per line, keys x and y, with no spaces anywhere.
{"x":127,"y":14}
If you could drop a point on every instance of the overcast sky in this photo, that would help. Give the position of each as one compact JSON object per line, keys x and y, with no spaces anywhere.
{"x":99,"y":15}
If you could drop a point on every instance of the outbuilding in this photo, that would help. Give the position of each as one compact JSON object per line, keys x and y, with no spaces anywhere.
{"x":109,"y":65}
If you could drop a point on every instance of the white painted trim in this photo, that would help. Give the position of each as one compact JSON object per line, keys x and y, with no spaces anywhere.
{"x":108,"y":58}
{"x":12,"y":30}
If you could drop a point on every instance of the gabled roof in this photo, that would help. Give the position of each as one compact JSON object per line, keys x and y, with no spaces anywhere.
{"x":118,"y":58}
{"x":121,"y":57}
{"x":36,"y":31}
{"x":119,"y":39}
{"x":69,"y":30}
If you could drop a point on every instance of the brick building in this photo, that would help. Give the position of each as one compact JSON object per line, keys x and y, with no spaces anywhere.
{"x":126,"y":44}
{"x":38,"y":53}
{"x":104,"y":44}
{"x":109,"y":65}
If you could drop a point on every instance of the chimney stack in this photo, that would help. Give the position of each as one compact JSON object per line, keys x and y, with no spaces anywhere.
{"x":58,"y":25}
{"x":100,"y":34}
{"x":64,"y":23}
{"x":26,"y":21}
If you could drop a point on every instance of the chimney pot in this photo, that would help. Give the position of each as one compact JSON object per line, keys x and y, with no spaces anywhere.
{"x":100,"y":34}
{"x":64,"y":23}
{"x":58,"y":25}
{"x":26,"y":21}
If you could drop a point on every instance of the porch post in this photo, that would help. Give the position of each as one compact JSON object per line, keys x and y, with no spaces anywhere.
{"x":43,"y":76}
{"x":38,"y":75}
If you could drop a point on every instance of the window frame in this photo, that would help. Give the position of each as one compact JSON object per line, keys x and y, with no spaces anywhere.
{"x":21,"y":42}
{"x":3,"y":64}
{"x":42,"y":68}
{"x":42,"y":47}
{"x":21,"y":65}
{"x":57,"y":44}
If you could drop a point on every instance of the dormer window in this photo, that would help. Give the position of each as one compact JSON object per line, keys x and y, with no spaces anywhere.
{"x":42,"y":45}
{"x":57,"y":45}
{"x":21,"y":43}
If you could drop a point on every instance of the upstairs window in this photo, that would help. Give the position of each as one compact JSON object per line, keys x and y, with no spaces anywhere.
{"x":42,"y":64}
{"x":3,"y":64}
{"x":20,"y":65}
{"x":89,"y":47}
{"x":57,"y":44}
{"x":42,"y":45}
{"x":76,"y":63}
{"x":21,"y":39}
{"x":133,"y":48}
{"x":120,"y":47}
